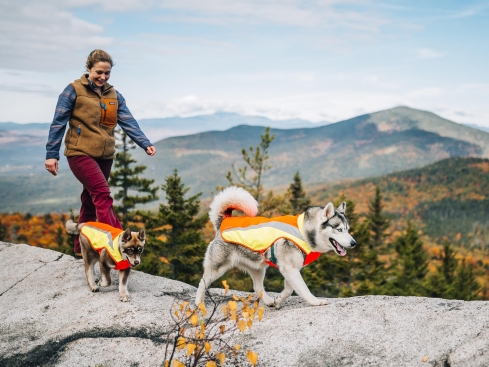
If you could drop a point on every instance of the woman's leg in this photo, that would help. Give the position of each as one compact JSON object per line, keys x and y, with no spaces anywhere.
{"x":93,"y":175}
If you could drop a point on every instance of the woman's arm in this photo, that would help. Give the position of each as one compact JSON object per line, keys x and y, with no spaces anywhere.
{"x":62,"y":114}
{"x":131,"y":127}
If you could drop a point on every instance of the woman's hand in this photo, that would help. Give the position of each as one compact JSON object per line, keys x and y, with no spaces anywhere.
{"x":151,"y":150}
{"x":52,"y":165}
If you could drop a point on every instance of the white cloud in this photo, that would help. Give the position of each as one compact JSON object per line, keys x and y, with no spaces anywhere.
{"x":313,"y":107}
{"x":427,"y":53}
{"x":323,"y":14}
{"x":41,"y":36}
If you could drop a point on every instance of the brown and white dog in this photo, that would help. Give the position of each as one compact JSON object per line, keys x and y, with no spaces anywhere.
{"x":113,"y":248}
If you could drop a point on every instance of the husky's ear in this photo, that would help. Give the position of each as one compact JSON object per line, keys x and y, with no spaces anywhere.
{"x":126,"y":237}
{"x":342,"y":208}
{"x":328,"y":212}
{"x":142,"y":235}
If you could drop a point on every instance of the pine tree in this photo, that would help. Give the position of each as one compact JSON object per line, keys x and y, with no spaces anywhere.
{"x":379,"y":222}
{"x":256,"y":159}
{"x":440,"y":284}
{"x":3,"y":232}
{"x":411,"y":266}
{"x":127,"y":179}
{"x":465,"y":285}
{"x":298,"y":198}
{"x":175,"y":234}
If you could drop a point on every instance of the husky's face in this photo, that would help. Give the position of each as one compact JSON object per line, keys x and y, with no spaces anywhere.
{"x":132,"y":244}
{"x":333,"y":229}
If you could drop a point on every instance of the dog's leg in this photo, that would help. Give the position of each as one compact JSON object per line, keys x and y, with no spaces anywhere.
{"x":209,"y":276}
{"x":290,"y":261}
{"x":286,"y":293}
{"x":294,"y":279}
{"x":90,"y":258}
{"x":123,"y":293}
{"x":257,"y":275}
{"x":104,"y":272}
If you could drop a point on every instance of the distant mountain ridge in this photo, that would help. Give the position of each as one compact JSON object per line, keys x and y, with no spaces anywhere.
{"x":32,"y":137}
{"x":365,"y":146}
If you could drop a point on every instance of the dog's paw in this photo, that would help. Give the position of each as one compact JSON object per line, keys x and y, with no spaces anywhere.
{"x":125,"y":298}
{"x":94,"y":289}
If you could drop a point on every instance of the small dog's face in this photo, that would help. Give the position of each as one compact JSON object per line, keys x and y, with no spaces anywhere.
{"x":333,"y":229}
{"x":132,"y":244}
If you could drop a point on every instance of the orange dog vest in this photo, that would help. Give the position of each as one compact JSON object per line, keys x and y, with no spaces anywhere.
{"x":259,"y":234}
{"x":104,"y":237}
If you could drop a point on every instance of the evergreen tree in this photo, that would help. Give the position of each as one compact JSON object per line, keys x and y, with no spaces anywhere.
{"x":126,"y":177}
{"x":3,"y":232}
{"x":175,"y":234}
{"x":256,"y":159}
{"x":379,"y":222}
{"x":298,"y":198}
{"x":411,"y":266}
{"x":370,"y":270}
{"x":440,"y":284}
{"x":465,"y":285}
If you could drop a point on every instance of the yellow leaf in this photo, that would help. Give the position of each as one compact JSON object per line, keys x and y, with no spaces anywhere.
{"x":260,"y":312}
{"x":237,"y":347}
{"x":235,"y":297}
{"x":176,"y":314}
{"x":250,"y":323}
{"x":194,"y":319}
{"x":177,"y":363}
{"x":242,"y":326}
{"x":252,"y":357}
{"x":211,"y":364}
{"x":233,"y":315}
{"x":221,"y":358}
{"x":202,"y":327}
{"x":181,"y":306}
{"x":225,"y":310}
{"x":249,"y":297}
{"x":181,"y":343}
{"x":167,"y":363}
{"x":182,"y":331}
{"x":188,"y":312}
{"x":232,"y":305}
{"x":190,"y":349}
{"x":222,"y":328}
{"x":246,"y":315}
{"x":164,"y":260}
{"x":226,"y":286}
{"x":202,"y":308}
{"x":260,"y":295}
{"x":207,"y":347}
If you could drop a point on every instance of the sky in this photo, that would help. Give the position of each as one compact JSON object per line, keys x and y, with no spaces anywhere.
{"x":319,"y":60}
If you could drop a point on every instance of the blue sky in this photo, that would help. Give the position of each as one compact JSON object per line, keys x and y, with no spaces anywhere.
{"x":317,"y":60}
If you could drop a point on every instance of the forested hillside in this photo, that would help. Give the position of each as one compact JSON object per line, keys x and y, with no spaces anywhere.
{"x":447,"y":200}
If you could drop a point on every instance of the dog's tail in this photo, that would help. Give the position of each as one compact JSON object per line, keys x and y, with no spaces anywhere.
{"x":72,"y":227}
{"x":231,"y":198}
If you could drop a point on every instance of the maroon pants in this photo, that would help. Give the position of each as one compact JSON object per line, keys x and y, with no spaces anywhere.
{"x":96,"y":202}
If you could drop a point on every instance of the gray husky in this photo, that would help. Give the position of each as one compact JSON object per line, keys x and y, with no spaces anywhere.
{"x":320,"y":230}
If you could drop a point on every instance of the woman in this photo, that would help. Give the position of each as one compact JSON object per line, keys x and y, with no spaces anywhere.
{"x":93,"y":108}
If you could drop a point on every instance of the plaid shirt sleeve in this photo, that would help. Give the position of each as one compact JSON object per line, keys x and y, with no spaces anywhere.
{"x":62,"y":114}
{"x":130,"y":126}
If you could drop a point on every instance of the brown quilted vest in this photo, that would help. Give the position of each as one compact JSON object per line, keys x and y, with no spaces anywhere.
{"x":92,"y":122}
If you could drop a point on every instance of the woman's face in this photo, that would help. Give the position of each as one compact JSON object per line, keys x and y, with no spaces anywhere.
{"x":99,"y":74}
